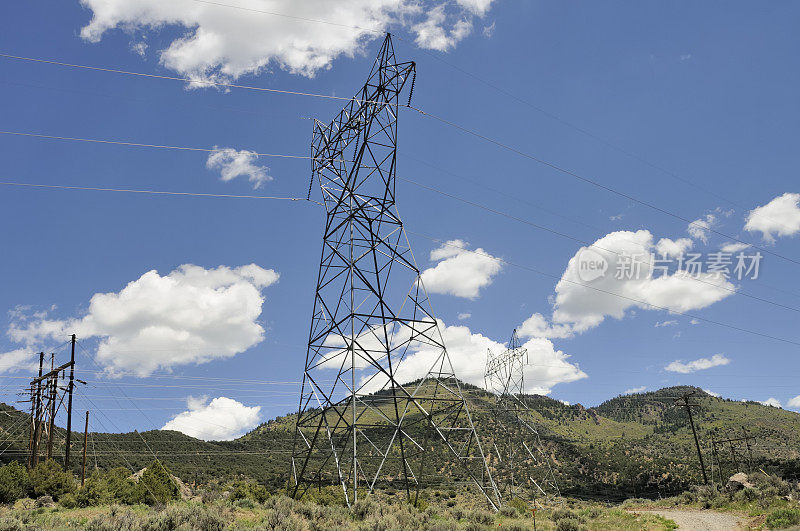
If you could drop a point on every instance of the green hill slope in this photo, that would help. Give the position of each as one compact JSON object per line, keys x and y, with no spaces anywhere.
{"x":635,"y":445}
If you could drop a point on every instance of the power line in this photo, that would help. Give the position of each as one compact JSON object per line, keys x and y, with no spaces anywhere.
{"x":589,"y":244}
{"x":588,"y":180}
{"x":427,"y":187}
{"x":429,"y":115}
{"x":436,"y":240}
{"x":190,"y":80}
{"x":154,"y":192}
{"x":157,"y":146}
{"x":583,"y":131}
{"x":607,"y":292}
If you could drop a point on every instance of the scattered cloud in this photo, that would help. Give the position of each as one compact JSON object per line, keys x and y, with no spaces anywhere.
{"x":779,"y":217}
{"x":694,"y":322}
{"x":635,"y":390}
{"x":488,"y":31}
{"x":794,"y":402}
{"x":139,"y":48}
{"x":218,"y":43}
{"x":581,"y":304}
{"x":615,"y":217}
{"x":771,"y":401}
{"x":464,"y":316}
{"x":476,"y":7}
{"x":666,"y":323}
{"x":460,"y":272}
{"x":699,"y":229}
{"x":685,"y":57}
{"x":734,"y":247}
{"x":674,"y":248}
{"x":697,"y":365}
{"x":192,"y":315}
{"x":433,"y":33}
{"x":222,"y":419}
{"x":712,"y":393}
{"x":233,"y":163}
{"x":20,"y":359}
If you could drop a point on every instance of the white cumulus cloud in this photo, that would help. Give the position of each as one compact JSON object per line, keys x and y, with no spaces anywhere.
{"x":771,"y":401}
{"x":794,"y":402}
{"x":232,"y":163}
{"x":546,"y":366}
{"x":779,"y":217}
{"x":222,"y":419}
{"x":628,"y":281}
{"x":673,"y":248}
{"x":698,"y":365}
{"x":460,"y":272}
{"x":635,"y":390}
{"x":216,"y":43}
{"x":192,"y":315}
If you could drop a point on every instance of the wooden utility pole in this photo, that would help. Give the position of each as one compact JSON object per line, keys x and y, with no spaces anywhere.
{"x":70,"y":387}
{"x":37,"y":416}
{"x":689,"y":407}
{"x":53,"y":381}
{"x":85,"y":438}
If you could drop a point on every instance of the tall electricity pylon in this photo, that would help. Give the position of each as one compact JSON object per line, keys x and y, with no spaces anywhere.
{"x":360,"y":424}
{"x":523,"y":468}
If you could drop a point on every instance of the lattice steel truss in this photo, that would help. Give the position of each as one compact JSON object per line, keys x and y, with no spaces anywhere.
{"x":359,"y":423}
{"x":522,"y":466}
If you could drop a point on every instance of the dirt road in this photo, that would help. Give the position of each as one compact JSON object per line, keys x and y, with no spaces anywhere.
{"x":701,"y":520}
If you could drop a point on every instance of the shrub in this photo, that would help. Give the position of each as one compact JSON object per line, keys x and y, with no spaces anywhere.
{"x":568,"y":524}
{"x":481,"y":517}
{"x":9,"y":523}
{"x":14,"y":482}
{"x":519,"y":505}
{"x":782,"y":518}
{"x":249,"y":490}
{"x":50,"y":479}
{"x":156,"y":485}
{"x":68,"y":501}
{"x":114,"y":486}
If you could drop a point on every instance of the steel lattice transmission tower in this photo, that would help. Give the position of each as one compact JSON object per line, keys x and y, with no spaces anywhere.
{"x":360,"y":424}
{"x":523,"y":468}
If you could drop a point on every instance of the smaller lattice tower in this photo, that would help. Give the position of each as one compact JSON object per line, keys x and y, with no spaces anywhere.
{"x":522,"y":465}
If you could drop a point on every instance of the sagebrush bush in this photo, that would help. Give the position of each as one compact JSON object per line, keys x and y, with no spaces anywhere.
{"x":783,"y":518}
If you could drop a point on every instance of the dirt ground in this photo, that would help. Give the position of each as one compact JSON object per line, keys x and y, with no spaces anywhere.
{"x":701,"y":520}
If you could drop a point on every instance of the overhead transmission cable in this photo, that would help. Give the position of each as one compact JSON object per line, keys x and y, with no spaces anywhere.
{"x":440,"y":119}
{"x":557,"y":277}
{"x":588,"y":180}
{"x":493,"y":86}
{"x":156,"y":146}
{"x":607,"y":292}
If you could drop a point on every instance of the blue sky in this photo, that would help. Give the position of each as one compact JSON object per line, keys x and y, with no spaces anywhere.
{"x":690,"y":107}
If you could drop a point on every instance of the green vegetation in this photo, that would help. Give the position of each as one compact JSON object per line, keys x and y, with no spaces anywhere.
{"x":282,"y":513}
{"x":636,"y":446}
